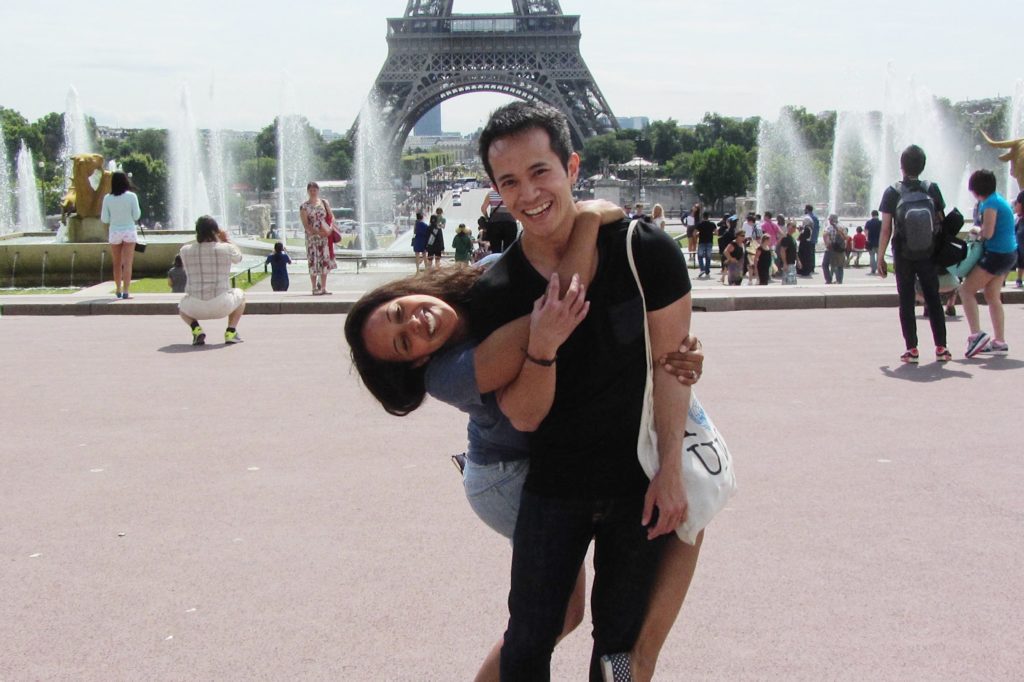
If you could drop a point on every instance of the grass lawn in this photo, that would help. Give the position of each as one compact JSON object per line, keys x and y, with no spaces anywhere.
{"x":159,"y":285}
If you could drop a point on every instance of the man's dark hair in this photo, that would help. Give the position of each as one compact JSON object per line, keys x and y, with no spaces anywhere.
{"x":912,"y":161}
{"x":119,"y":183}
{"x":206,"y":229}
{"x":519,"y":117}
{"x":767,"y":215}
{"x":808,"y":209}
{"x":419,"y":215}
{"x":1020,"y":198}
{"x":982,"y":183}
{"x":874,"y":214}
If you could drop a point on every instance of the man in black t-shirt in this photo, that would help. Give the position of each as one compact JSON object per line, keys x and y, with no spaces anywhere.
{"x":705,"y":240}
{"x":585,"y":481}
{"x":909,"y":270}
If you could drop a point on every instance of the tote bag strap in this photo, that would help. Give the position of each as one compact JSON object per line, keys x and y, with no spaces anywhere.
{"x":639,"y":285}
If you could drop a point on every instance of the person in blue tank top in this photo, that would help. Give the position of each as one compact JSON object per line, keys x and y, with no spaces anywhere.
{"x":997,"y":259}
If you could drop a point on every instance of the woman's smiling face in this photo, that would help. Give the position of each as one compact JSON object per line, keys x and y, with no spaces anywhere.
{"x":409,"y":328}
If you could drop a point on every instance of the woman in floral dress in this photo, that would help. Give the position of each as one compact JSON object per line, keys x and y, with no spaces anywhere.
{"x":314,"y":220}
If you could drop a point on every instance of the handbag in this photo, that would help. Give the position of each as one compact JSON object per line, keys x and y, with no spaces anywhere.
{"x":140,"y":241}
{"x":708,"y":474}
{"x":975,"y":249}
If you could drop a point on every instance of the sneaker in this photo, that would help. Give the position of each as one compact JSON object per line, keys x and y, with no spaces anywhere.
{"x":232,"y":337}
{"x":911,"y":357}
{"x":615,"y":668}
{"x":942,"y":354}
{"x":976,"y":344}
{"x":997,"y":348}
{"x":198,"y":336}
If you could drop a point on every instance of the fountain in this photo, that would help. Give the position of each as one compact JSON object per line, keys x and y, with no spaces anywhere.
{"x":294,"y":171}
{"x":867,"y":148}
{"x":76,"y":134}
{"x":189,"y":197}
{"x":30,"y":215}
{"x":786,"y":175}
{"x":218,"y":177}
{"x":375,"y":198}
{"x":6,"y":207}
{"x":853,"y":161}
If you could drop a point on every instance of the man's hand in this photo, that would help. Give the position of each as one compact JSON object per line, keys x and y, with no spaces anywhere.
{"x":883,"y":267}
{"x":666,"y":492}
{"x":606,"y":212}
{"x":687,"y":364}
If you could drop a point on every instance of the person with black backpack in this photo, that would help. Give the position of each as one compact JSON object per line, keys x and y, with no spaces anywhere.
{"x":912,"y":213}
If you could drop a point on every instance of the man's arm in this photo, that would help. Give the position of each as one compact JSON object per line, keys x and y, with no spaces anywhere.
{"x":669,"y":326}
{"x":484,"y":206}
{"x":883,"y":243}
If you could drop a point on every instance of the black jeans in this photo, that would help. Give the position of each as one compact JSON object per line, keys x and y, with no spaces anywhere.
{"x":907,"y":271}
{"x":550,"y":542}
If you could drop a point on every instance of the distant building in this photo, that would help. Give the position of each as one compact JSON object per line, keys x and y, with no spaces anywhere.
{"x":633,"y":122}
{"x":329,"y":135}
{"x":430,"y":124}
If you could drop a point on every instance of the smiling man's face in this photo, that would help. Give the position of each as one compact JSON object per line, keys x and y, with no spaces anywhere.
{"x":534,"y":185}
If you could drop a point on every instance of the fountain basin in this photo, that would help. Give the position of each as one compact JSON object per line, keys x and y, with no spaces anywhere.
{"x":33,"y":259}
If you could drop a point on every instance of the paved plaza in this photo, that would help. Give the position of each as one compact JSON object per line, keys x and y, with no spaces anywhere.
{"x":249,"y":512}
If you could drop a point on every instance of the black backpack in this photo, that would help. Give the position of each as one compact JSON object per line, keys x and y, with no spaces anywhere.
{"x":916,"y":228}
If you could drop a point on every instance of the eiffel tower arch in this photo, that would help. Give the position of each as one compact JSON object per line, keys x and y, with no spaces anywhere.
{"x":532,"y":53}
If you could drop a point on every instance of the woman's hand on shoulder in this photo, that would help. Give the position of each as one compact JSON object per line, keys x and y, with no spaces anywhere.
{"x":554,"y":319}
{"x":686,"y":364}
{"x":605,"y":211}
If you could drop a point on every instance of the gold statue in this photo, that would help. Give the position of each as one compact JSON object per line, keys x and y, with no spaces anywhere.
{"x":1015,"y":156}
{"x":82,"y":198}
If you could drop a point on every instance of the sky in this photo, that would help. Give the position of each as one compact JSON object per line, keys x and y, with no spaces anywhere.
{"x":242,"y":63}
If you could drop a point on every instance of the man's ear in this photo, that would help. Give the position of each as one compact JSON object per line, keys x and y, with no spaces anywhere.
{"x":574,"y":167}
{"x":422,"y":361}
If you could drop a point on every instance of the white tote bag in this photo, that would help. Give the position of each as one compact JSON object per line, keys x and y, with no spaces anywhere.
{"x":708,"y":474}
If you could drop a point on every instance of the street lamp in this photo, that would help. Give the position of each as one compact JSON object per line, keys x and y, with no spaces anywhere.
{"x":640,"y":168}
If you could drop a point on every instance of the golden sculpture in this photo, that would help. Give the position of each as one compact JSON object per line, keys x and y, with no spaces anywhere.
{"x":1015,"y":156}
{"x":82,"y":198}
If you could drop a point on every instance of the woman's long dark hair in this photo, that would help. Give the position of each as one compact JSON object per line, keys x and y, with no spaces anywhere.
{"x":119,"y":183}
{"x":399,"y":386}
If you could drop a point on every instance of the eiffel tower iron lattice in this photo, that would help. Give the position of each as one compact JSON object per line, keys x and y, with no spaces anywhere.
{"x":532,"y":53}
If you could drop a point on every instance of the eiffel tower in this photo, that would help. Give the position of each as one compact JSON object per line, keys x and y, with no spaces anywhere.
{"x":532,"y":53}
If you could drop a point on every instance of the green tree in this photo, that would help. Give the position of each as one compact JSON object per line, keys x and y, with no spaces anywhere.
{"x":605,"y":149}
{"x":17,"y":128}
{"x":715,"y":127}
{"x":51,"y":135}
{"x":149,"y":141}
{"x":259,"y":173}
{"x":150,"y":178}
{"x":337,"y":157}
{"x":723,"y":170}
{"x":665,"y":140}
{"x":678,"y":167}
